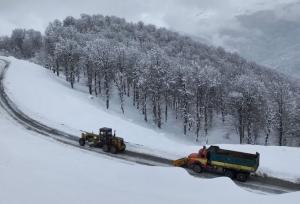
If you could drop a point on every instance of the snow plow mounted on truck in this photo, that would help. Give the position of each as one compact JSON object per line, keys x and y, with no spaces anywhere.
{"x":233,"y":164}
{"x":105,"y":140}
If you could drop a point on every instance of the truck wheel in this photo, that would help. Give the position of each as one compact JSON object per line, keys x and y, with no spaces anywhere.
{"x":113,"y":149}
{"x":242,"y":177}
{"x":197,"y":168}
{"x":190,"y":165}
{"x":229,"y":174}
{"x":81,"y":142}
{"x":105,"y":148}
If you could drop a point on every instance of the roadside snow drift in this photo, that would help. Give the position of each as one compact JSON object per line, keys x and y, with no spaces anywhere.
{"x":44,"y":97}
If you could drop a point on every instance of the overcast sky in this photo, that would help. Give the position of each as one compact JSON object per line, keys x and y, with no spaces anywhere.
{"x":197,"y":17}
{"x":258,"y":29}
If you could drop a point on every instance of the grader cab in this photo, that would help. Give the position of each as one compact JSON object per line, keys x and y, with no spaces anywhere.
{"x":105,"y":139}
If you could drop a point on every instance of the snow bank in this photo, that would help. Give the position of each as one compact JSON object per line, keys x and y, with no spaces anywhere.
{"x":49,"y":99}
{"x":37,"y":170}
{"x":1,"y":64}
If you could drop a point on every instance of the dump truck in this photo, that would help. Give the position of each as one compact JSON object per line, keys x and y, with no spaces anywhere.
{"x":233,"y":164}
{"x":105,"y":139}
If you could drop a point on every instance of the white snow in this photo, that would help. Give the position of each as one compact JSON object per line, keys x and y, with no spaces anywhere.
{"x":35,"y":169}
{"x":43,"y":96}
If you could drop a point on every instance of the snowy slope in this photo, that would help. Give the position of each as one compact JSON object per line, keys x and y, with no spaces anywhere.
{"x":49,"y":99}
{"x":43,"y":96}
{"x":37,"y":170}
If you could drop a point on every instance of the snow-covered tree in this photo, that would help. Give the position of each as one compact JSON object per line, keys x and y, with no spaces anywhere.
{"x":163,"y":72}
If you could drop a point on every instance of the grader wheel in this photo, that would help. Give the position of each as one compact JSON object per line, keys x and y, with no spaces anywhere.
{"x":105,"y":148}
{"x":113,"y":150}
{"x":81,"y":142}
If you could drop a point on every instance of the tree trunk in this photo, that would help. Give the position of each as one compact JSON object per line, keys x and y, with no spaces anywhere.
{"x":154,"y":110}
{"x":210,"y":116}
{"x":158,"y":111}
{"x":166,"y":112}
{"x":72,"y":83}
{"x":223,"y":116}
{"x":128,"y":88}
{"x":197,"y":116}
{"x":176,"y":110}
{"x":159,"y":114}
{"x":268,"y":131}
{"x":106,"y":91}
{"x":185,"y":119}
{"x":95,"y":83}
{"x":89,"y":78}
{"x":90,"y":89}
{"x":280,"y":129}
{"x":57,"y":67}
{"x":134,"y":94}
{"x":145,"y":107}
{"x":267,"y":137}
{"x":137,"y":97}
{"x":166,"y":108}
{"x":72,"y":77}
{"x":205,"y":120}
{"x":241,"y":125}
{"x":122,"y":101}
{"x":119,"y":85}
{"x":67,"y":73}
{"x":249,"y":135}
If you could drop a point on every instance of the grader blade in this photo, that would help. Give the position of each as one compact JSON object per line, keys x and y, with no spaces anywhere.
{"x":180,"y":162}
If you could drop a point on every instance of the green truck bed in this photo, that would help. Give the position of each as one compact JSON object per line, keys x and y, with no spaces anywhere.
{"x":239,"y":161}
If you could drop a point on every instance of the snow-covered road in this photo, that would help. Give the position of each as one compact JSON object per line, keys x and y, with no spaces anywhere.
{"x":38,"y":170}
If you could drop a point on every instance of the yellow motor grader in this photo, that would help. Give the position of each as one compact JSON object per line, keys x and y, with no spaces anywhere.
{"x":105,"y":140}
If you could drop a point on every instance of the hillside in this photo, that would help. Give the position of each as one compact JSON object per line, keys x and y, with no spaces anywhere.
{"x":171,"y":80}
{"x":50,"y":100}
{"x":169,"y":76}
{"x":98,"y":106}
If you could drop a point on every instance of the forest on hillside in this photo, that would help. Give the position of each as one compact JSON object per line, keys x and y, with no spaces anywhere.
{"x":163,"y":72}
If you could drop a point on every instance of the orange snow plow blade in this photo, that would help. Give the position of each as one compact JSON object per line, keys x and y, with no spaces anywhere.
{"x":180,"y":162}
